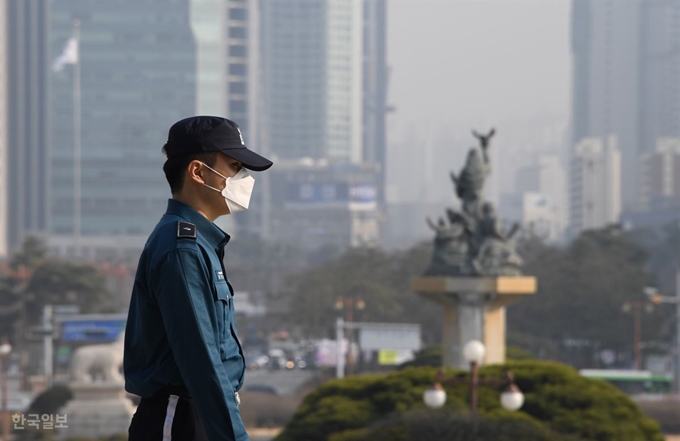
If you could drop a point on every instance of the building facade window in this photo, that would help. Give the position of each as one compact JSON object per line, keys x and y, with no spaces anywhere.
{"x":238,"y":88}
{"x":238,"y":32}
{"x":237,"y":106}
{"x":238,"y":51}
{"x":238,"y":69}
{"x":238,"y":14}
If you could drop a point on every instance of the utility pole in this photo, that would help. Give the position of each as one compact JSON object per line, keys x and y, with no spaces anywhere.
{"x":77,"y":178}
{"x":339,"y":337}
{"x":48,"y":349}
{"x":676,"y":378}
{"x":637,"y":320}
{"x":5,"y":349}
{"x":636,"y":309}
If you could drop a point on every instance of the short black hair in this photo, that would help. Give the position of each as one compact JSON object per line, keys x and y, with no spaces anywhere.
{"x":175,"y":168}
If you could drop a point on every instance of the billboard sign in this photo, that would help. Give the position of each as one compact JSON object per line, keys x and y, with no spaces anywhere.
{"x":92,"y":330}
{"x":330,"y":194}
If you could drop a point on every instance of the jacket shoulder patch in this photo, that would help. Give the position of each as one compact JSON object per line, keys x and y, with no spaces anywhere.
{"x":186,"y":230}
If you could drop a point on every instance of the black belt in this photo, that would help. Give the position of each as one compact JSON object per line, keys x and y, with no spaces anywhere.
{"x":174,"y":389}
{"x":182,"y":391}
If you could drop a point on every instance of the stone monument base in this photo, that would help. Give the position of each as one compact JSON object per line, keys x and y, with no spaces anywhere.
{"x":97,"y":410}
{"x":474,"y":309}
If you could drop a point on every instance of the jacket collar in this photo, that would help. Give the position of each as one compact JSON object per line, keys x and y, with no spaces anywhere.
{"x":211,"y":232}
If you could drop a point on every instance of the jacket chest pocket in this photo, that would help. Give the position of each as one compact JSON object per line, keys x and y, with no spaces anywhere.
{"x":222,"y":308}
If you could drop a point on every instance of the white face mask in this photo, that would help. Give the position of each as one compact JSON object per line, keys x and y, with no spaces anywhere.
{"x":237,"y":189}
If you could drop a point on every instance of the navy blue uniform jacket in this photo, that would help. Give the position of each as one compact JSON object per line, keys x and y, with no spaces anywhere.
{"x":181,"y":327}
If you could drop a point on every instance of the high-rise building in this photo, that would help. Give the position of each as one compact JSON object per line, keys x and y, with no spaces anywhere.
{"x":606,"y":75}
{"x":226,"y":54}
{"x":659,"y":67}
{"x":312,"y":67}
{"x":540,"y":198}
{"x":4,"y":101}
{"x":625,"y":78}
{"x":27,"y":118}
{"x":324,"y":203}
{"x":375,"y":78}
{"x":661,"y":175}
{"x":209,"y":27}
{"x":595,"y":190}
{"x":138,"y":76}
{"x":660,"y":188}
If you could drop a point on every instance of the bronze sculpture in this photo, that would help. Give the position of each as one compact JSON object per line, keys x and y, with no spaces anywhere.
{"x":471,"y":242}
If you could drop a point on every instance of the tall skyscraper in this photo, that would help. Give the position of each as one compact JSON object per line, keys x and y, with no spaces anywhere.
{"x":138,"y":76}
{"x":209,"y":27}
{"x":4,"y":101}
{"x":27,"y":118}
{"x":659,"y":72}
{"x":228,"y":83}
{"x":375,"y":78}
{"x":312,"y":67}
{"x":595,"y":189}
{"x":625,"y":78}
{"x":606,"y":74}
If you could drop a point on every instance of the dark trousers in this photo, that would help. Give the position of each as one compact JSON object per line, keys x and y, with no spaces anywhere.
{"x":167,"y":417}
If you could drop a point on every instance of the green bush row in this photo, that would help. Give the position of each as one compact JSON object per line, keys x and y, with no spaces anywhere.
{"x":558,"y":403}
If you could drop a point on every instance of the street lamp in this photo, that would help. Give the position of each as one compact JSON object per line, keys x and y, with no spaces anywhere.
{"x":636,"y":308}
{"x":5,"y":349}
{"x":349,"y":304}
{"x":511,"y":399}
{"x":655,"y":296}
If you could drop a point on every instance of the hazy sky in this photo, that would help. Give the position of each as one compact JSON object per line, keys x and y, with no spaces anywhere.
{"x":473,"y":62}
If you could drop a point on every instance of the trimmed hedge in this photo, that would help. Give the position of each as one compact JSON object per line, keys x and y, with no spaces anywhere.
{"x":557,"y":401}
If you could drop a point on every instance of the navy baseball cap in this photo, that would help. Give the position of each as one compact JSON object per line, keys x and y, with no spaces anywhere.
{"x":200,"y":134}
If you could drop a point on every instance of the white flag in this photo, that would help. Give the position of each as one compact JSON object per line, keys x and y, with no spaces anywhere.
{"x":68,"y":56}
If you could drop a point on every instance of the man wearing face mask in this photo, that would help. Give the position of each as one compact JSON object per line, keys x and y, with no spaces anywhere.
{"x":182,"y":353}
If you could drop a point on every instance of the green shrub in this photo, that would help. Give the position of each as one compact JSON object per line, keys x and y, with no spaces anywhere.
{"x":429,"y":356}
{"x":557,"y":399}
{"x":514,"y":353}
{"x":51,"y":400}
{"x":446,"y":426}
{"x":432,"y":356}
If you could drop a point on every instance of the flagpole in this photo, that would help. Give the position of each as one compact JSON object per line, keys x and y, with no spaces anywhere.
{"x":76,"y":144}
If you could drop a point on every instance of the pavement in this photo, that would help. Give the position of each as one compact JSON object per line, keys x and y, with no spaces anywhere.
{"x":270,"y":434}
{"x":263,"y":434}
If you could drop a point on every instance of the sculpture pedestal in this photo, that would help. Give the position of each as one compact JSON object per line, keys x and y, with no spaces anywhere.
{"x":474,"y":309}
{"x":97,"y":410}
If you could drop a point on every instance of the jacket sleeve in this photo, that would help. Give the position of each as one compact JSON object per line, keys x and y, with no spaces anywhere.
{"x":188,"y":308}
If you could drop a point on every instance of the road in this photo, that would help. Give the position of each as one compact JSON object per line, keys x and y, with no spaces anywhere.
{"x":285,"y":382}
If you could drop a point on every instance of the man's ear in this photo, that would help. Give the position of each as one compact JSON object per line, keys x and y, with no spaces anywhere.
{"x":195,"y":172}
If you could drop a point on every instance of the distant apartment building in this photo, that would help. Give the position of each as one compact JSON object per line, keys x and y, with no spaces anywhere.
{"x":26,"y":118}
{"x":661,"y":175}
{"x":540,"y":198}
{"x":660,"y":188}
{"x":595,"y":184}
{"x":138,"y":76}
